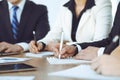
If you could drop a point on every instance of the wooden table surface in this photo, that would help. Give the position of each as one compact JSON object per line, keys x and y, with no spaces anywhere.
{"x":43,"y":68}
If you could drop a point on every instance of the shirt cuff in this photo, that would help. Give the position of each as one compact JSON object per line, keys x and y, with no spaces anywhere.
{"x":75,"y":43}
{"x":100,"y":51}
{"x":78,"y":47}
{"x":24,"y":45}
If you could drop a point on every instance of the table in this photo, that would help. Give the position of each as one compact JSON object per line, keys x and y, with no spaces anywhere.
{"x":43,"y":68}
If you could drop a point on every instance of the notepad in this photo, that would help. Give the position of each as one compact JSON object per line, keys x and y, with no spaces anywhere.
{"x":39,"y":55}
{"x":54,"y":60}
{"x":82,"y":72}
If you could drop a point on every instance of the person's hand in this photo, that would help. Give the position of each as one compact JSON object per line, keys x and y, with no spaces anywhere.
{"x":7,"y":47}
{"x":53,"y":46}
{"x":35,"y":48}
{"x":87,"y":54}
{"x":67,"y":51}
{"x":107,"y":65}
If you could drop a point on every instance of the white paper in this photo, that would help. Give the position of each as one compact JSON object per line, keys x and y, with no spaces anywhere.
{"x":53,"y":60}
{"x":41,"y":54}
{"x":82,"y":72}
{"x":12,"y":59}
{"x":17,"y":77}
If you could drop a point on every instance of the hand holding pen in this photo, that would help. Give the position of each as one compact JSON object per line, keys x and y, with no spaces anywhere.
{"x":35,"y":38}
{"x":34,"y":47}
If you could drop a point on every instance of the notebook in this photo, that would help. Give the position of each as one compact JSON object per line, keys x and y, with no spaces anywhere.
{"x":54,"y":60}
{"x":39,"y":55}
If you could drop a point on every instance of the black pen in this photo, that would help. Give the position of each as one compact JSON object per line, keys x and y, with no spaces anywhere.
{"x":35,"y":38}
{"x":112,"y":44}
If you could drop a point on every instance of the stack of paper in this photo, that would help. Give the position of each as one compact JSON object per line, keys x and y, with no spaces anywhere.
{"x":54,"y":60}
{"x":39,"y":55}
{"x":82,"y":72}
{"x":17,"y":77}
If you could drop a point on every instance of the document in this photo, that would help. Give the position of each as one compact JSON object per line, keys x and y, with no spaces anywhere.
{"x":17,"y":77}
{"x":54,"y":60}
{"x":39,"y":55}
{"x":12,"y":59}
{"x":82,"y":72}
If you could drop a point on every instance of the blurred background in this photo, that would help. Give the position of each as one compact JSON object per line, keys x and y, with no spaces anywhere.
{"x":53,"y":7}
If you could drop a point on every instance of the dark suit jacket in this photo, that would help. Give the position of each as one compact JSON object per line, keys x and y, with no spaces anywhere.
{"x":106,"y":42}
{"x":34,"y":17}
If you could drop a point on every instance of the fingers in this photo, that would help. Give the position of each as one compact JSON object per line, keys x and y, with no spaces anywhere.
{"x":33,"y":48}
{"x":62,"y":52}
{"x":56,"y":52}
{"x":2,"y":49}
{"x":67,"y":51}
{"x":3,"y":46}
{"x":96,"y":66}
{"x":8,"y":50}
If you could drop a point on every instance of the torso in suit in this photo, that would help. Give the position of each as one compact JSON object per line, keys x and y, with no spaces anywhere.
{"x":106,"y":42}
{"x":93,"y":21}
{"x":33,"y":18}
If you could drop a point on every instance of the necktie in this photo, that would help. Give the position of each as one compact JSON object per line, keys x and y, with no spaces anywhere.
{"x":14,"y":22}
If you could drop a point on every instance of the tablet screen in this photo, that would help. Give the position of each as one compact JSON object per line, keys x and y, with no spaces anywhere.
{"x":15,"y":67}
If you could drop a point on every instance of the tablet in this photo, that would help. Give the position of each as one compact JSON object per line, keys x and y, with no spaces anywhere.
{"x":16,"y":67}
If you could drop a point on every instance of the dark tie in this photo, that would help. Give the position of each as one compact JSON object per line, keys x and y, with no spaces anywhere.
{"x":14,"y":22}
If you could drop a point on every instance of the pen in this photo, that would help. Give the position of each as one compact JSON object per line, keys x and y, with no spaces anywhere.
{"x":35,"y":38}
{"x":61,"y":44}
{"x":112,"y":44}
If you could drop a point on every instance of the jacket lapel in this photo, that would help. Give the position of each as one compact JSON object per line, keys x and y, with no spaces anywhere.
{"x":24,"y":18}
{"x":6,"y":19}
{"x":84,"y":19}
{"x":68,"y":24}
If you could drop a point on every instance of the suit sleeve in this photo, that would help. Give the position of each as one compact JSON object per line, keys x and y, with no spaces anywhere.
{"x":103,"y":19}
{"x":106,"y":42}
{"x":115,"y":31}
{"x":42,"y":27}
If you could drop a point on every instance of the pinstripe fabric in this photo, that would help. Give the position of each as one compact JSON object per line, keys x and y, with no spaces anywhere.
{"x":14,"y":22}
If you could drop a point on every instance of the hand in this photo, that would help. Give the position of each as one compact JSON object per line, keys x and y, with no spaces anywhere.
{"x":53,"y":46}
{"x":7,"y":47}
{"x":87,"y":54}
{"x":67,"y":51}
{"x":35,"y":48}
{"x":107,"y":65}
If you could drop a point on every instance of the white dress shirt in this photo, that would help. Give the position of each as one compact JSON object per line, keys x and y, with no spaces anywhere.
{"x":24,"y":45}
